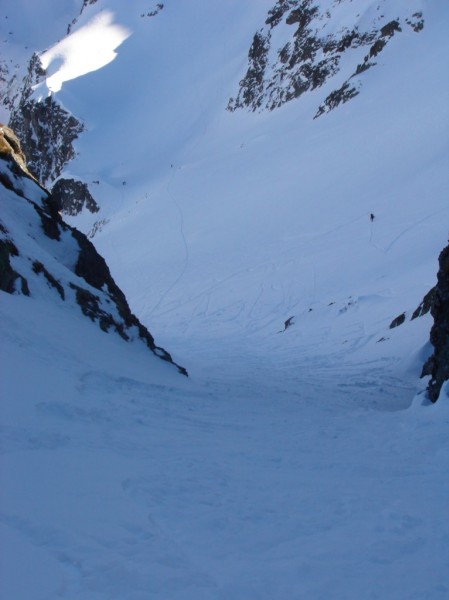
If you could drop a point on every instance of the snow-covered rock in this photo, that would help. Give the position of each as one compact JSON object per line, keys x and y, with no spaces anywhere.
{"x":41,"y":256}
{"x":305,"y":44}
{"x":437,"y":366}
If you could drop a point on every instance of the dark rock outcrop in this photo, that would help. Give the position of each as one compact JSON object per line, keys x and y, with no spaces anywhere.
{"x":437,"y":365}
{"x":154,"y":12}
{"x":47,"y":254}
{"x":337,"y":97}
{"x":70,"y":196}
{"x":309,"y":56}
{"x":425,"y":305}
{"x":10,"y":280}
{"x":399,"y":320}
{"x":423,"y":309}
{"x":47,"y":132}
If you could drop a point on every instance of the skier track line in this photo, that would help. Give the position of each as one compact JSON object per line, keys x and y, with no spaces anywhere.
{"x":184,"y":241}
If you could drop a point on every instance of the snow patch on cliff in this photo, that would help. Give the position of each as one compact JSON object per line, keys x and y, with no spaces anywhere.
{"x":88,"y":49}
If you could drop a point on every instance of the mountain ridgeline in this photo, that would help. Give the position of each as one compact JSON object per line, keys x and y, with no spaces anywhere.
{"x":41,"y":256}
{"x":308,"y":53}
{"x":297,"y":50}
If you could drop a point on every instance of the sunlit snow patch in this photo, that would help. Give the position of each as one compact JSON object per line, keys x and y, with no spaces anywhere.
{"x":88,"y":49}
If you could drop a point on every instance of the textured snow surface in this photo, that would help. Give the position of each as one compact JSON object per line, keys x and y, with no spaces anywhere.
{"x":121,"y":480}
{"x":296,"y":464}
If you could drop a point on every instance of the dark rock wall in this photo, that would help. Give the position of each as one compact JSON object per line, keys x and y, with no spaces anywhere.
{"x":438,"y":364}
{"x":70,"y":196}
{"x":309,"y":57}
{"x":87,"y":279}
{"x":47,"y":134}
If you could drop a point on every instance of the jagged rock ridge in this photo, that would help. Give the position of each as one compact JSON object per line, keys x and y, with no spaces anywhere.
{"x":37,"y":246}
{"x":311,"y":53}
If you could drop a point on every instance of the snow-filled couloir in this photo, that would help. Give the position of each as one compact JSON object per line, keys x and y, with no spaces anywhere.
{"x":268,"y":184}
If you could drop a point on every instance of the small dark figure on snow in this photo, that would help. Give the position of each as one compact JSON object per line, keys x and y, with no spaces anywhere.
{"x":371,"y":217}
{"x":287,"y":324}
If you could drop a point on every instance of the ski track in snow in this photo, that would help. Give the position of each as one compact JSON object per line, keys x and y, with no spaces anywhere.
{"x":205,"y":493}
{"x":406,"y":230}
{"x":184,"y":242}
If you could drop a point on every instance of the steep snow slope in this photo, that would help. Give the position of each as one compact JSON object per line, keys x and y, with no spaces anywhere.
{"x":222,"y":225}
{"x":43,"y":258}
{"x":271,"y":473}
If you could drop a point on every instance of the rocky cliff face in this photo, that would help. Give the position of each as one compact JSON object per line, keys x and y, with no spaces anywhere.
{"x":436,"y":301}
{"x":438,"y":364}
{"x":41,"y":256}
{"x":47,"y":133}
{"x":298,"y":50}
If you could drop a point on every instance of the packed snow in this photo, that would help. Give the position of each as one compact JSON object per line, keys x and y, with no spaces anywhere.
{"x":120,"y":480}
{"x":298,"y":462}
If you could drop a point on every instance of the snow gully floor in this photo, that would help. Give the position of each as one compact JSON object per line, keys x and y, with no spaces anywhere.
{"x":125,"y":482}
